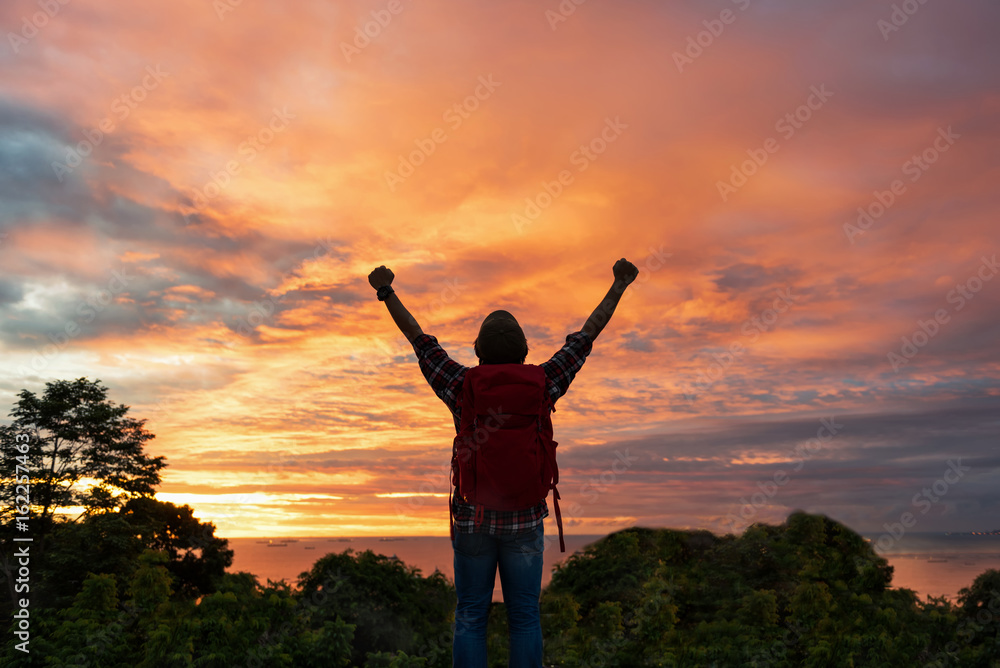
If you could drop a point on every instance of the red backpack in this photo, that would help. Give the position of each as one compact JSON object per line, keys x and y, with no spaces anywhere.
{"x":504,"y":457}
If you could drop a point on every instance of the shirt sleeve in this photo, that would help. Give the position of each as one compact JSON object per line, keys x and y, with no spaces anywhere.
{"x":443,"y":374}
{"x":562,"y":368}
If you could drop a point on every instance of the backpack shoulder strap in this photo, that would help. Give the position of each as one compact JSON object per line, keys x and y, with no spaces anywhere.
{"x":545,"y":434}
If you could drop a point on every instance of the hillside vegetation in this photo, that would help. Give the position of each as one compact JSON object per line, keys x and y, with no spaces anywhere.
{"x":809,"y":592}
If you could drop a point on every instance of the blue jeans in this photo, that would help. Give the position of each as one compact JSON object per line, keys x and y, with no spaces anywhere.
{"x":519,"y":558}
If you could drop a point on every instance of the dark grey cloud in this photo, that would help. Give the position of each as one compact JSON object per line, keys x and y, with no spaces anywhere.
{"x":743,"y":276}
{"x":405,"y":463}
{"x":180,"y":254}
{"x":877,"y":461}
{"x":637,"y":343}
{"x":30,"y":140}
{"x":942,"y":53}
{"x":10,"y":292}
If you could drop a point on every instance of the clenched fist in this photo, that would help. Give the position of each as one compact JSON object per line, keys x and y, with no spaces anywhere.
{"x":625,"y":271}
{"x":380,"y":276}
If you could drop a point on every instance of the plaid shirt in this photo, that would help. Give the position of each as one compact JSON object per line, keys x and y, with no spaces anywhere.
{"x":446,"y":376}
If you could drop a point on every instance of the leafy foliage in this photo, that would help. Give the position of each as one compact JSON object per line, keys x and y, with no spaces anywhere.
{"x":810,"y":592}
{"x":691,"y":599}
{"x":76,"y":433}
{"x":392,"y":607}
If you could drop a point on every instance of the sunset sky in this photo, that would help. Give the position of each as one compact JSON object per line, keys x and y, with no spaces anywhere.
{"x":192,"y":195}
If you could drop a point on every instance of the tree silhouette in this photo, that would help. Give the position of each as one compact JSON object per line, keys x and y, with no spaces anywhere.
{"x":75,"y":436}
{"x":76,"y":433}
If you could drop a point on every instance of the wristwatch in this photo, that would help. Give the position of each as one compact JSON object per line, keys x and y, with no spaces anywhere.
{"x":384,"y":292}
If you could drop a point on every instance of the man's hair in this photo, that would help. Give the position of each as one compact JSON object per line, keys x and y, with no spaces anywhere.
{"x":501,"y":340}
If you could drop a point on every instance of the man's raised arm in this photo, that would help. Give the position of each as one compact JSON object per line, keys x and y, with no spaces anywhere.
{"x":624,"y":272}
{"x":381,"y":277}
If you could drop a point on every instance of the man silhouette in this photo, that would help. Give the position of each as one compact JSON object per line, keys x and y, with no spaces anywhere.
{"x":509,"y":541}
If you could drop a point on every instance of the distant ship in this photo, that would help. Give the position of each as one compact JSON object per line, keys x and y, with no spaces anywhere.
{"x":386,"y":540}
{"x":277,"y":544}
{"x":310,"y":547}
{"x":937,"y":561}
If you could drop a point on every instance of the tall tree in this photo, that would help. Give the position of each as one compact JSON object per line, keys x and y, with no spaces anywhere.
{"x":196,"y":557}
{"x":76,"y":436}
{"x":76,"y":433}
{"x":112,"y":542}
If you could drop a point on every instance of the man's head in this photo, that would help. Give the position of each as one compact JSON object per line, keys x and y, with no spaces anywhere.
{"x":501,"y":340}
